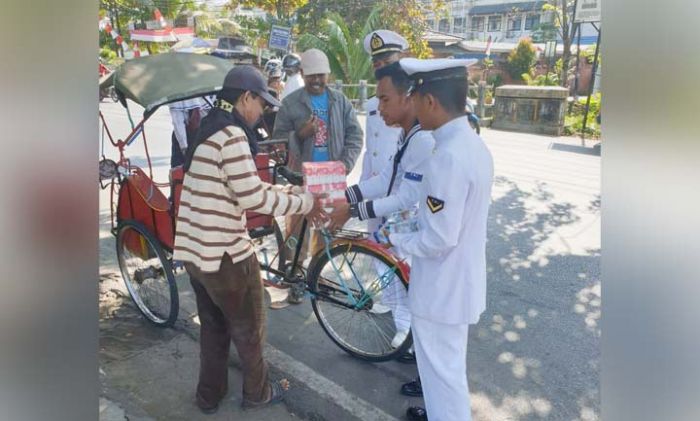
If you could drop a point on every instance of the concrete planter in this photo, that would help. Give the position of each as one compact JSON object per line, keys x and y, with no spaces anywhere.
{"x":532,"y":109}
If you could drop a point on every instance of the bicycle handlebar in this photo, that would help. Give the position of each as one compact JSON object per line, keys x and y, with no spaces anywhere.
{"x":272,"y":142}
{"x":292,"y":176}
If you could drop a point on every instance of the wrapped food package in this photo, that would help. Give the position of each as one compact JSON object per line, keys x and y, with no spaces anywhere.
{"x":325,"y":177}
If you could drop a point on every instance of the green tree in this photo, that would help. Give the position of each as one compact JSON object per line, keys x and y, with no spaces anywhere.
{"x":563,"y":26}
{"x":283,"y":10}
{"x":346,"y":55}
{"x":121,"y":12}
{"x":407,"y":18}
{"x":521,"y":59}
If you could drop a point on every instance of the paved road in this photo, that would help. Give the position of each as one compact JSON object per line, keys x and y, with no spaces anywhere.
{"x":535,"y":353}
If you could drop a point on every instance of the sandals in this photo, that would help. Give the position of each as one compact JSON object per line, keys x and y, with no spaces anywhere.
{"x":277,"y":391}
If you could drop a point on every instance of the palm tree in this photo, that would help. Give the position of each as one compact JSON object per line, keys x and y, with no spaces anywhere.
{"x":346,"y":55}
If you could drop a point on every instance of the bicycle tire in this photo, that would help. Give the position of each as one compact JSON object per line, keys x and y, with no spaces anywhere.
{"x":373,"y":342}
{"x":113,"y":95}
{"x":152,"y":273}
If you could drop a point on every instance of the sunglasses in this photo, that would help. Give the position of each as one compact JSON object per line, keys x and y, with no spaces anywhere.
{"x":265,"y":105}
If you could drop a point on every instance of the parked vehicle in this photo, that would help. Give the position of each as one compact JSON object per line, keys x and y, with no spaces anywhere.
{"x":234,"y":49}
{"x":106,"y":86}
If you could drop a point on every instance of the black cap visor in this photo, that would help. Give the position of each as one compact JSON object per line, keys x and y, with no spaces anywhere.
{"x":269,"y":98}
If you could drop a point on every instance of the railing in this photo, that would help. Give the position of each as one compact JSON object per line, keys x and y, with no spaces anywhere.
{"x":357,"y":93}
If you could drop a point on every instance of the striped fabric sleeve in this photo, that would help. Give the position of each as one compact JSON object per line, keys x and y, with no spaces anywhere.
{"x":252,"y":193}
{"x":353,"y":194}
{"x":365,"y":210}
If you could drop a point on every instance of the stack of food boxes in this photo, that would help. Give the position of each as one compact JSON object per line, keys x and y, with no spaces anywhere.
{"x":326,"y":177}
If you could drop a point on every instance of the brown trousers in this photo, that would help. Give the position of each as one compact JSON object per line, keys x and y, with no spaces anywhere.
{"x":230,"y":303}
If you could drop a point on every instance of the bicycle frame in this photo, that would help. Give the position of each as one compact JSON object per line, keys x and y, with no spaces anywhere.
{"x":352,"y":302}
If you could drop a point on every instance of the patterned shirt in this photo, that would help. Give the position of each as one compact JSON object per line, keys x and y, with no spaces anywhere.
{"x":221,"y":184}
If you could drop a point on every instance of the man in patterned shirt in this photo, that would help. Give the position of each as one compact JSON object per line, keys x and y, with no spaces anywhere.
{"x":221,"y":183}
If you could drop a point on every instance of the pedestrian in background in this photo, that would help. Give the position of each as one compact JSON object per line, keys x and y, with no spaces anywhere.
{"x":320,"y":125}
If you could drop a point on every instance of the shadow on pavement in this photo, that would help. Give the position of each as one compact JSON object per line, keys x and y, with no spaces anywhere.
{"x":535,"y":353}
{"x":594,"y":150}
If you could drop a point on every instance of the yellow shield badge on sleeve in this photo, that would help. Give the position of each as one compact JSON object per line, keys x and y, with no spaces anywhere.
{"x":434,"y":204}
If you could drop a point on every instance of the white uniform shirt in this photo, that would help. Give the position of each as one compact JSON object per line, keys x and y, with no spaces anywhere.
{"x":380,"y":141}
{"x":180,"y":114}
{"x":293,"y":83}
{"x":406,"y":190}
{"x":380,"y":145}
{"x":448,"y":274}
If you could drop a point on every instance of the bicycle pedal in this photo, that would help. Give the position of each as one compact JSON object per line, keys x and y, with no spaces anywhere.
{"x":296,"y":280}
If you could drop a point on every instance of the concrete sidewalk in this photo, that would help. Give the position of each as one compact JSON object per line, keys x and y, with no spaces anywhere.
{"x":148,"y":373}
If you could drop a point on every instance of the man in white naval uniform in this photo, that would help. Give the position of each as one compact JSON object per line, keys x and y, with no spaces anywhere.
{"x":448,"y":275}
{"x":385,"y":47}
{"x":398,"y":186}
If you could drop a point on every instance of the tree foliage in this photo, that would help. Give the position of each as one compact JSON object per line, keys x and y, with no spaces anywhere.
{"x":407,"y":18}
{"x":521,"y":59}
{"x":345,"y":49}
{"x":283,"y":10}
{"x":561,"y":24}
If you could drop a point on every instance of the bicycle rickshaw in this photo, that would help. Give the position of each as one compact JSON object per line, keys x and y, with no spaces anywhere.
{"x":343,"y":280}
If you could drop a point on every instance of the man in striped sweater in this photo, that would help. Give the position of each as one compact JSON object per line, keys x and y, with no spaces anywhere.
{"x":221,"y":183}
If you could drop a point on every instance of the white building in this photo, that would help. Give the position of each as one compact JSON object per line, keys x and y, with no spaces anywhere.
{"x":505,"y":21}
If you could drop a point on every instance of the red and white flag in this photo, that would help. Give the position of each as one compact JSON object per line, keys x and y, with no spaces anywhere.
{"x":116,"y":37}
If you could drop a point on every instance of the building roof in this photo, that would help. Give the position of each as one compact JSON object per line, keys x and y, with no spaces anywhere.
{"x":161,"y":35}
{"x":489,"y":9}
{"x":441,"y":37}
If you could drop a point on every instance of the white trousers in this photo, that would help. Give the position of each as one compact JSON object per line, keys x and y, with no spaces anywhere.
{"x":441,"y":355}
{"x":395,"y":296}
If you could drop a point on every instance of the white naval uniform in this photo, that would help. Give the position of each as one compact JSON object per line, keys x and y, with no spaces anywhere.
{"x":380,"y":146}
{"x":448,"y":274}
{"x":292,"y":83}
{"x":180,"y":114}
{"x":375,"y":199}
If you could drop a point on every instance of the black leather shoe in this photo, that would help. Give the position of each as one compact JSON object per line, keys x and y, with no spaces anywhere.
{"x":416,"y":413}
{"x":407,"y":358}
{"x":413,"y":388}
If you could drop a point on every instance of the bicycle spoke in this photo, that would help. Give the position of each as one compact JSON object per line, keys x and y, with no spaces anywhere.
{"x":357,"y":330}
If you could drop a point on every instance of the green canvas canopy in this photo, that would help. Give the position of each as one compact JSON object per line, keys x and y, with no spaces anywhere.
{"x":155,"y":80}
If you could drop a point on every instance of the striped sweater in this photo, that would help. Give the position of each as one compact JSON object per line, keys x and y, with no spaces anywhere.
{"x":221,"y":184}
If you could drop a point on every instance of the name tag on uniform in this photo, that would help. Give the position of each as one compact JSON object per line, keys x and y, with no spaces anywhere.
{"x":373,"y":112}
{"x":413,"y":176}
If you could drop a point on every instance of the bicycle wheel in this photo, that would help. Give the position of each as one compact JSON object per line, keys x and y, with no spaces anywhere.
{"x":147,"y":273}
{"x":344,"y":289}
{"x":113,"y":94}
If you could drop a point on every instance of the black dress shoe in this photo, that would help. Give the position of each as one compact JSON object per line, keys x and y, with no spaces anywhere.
{"x":416,"y":413}
{"x":413,"y":388}
{"x":407,"y":358}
